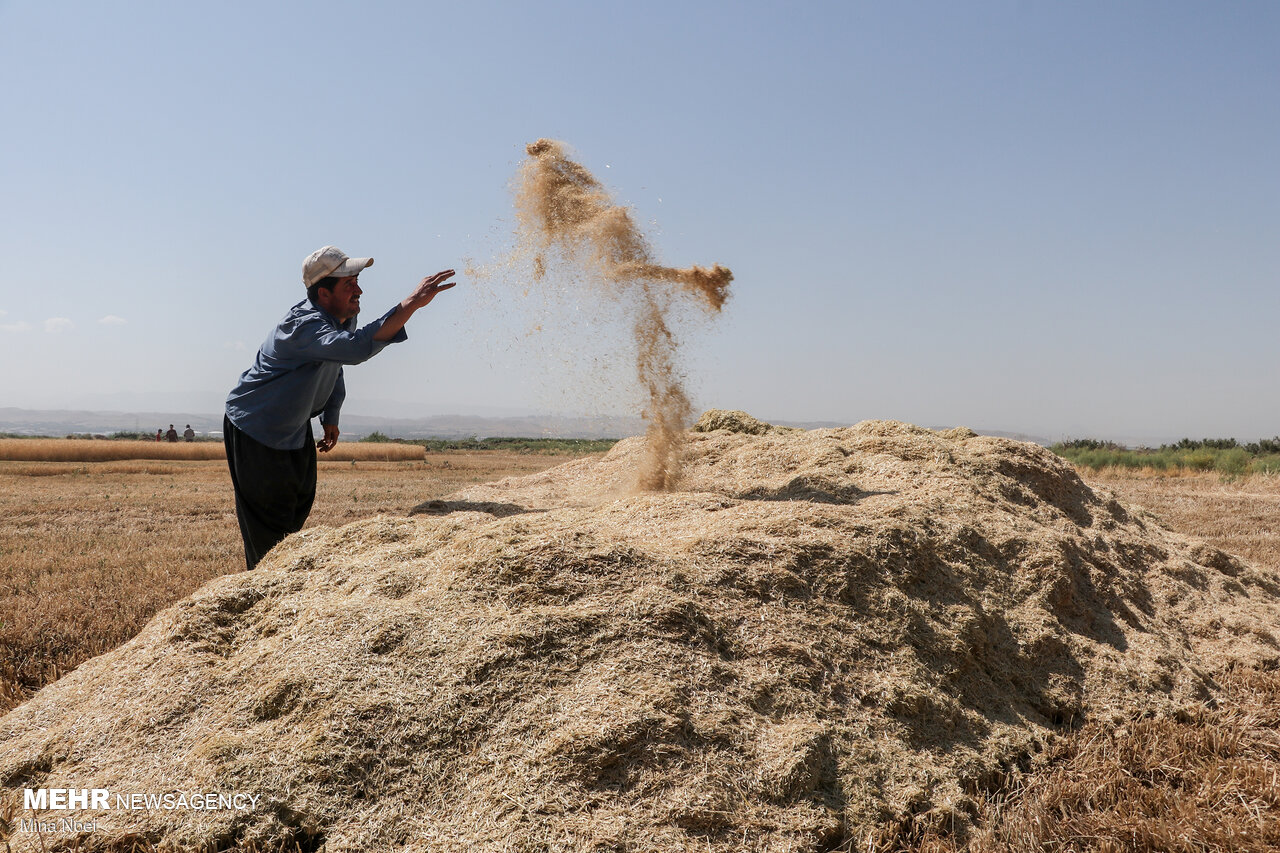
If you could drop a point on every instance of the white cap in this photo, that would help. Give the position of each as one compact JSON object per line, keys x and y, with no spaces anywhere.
{"x":331,"y":261}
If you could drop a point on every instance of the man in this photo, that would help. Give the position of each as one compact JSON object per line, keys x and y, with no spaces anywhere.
{"x":188,"y":434}
{"x":172,"y":435}
{"x":296,"y":376}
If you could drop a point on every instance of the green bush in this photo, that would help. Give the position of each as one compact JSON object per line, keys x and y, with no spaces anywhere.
{"x":1200,"y":460}
{"x":1236,"y":462}
{"x":1223,"y":455}
{"x":1268,"y":464}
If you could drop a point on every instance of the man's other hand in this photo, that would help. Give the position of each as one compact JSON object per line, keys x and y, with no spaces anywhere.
{"x":326,"y":444}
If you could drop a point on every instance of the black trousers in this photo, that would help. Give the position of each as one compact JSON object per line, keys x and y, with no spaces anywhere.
{"x":274,"y":489}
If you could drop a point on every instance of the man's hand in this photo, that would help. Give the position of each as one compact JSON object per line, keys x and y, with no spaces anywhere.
{"x":423,"y":294}
{"x":429,"y":287}
{"x":326,"y":444}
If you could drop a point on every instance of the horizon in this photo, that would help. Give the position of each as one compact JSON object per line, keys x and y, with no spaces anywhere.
{"x":415,"y":427}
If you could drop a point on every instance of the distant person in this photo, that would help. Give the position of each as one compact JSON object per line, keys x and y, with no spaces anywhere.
{"x":296,"y":376}
{"x":159,"y":435}
{"x":172,"y":434}
{"x":189,"y":434}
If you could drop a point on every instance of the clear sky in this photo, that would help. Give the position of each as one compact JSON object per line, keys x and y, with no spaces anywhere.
{"x":1062,"y":219}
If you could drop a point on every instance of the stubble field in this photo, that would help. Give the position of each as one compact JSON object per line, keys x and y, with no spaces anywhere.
{"x":1238,"y":515}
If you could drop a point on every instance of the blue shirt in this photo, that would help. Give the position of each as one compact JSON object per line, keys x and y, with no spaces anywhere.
{"x":298,"y":375}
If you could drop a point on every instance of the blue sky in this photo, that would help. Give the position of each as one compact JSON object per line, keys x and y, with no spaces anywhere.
{"x":1060,"y":219}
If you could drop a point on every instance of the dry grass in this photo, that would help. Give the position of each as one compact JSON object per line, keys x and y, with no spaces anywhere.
{"x":1240,"y":515}
{"x":1204,"y":781}
{"x":88,"y":450}
{"x":89,"y":551}
{"x":1200,"y":782}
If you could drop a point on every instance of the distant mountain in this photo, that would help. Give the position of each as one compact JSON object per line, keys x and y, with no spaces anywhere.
{"x":67,"y":421}
{"x":58,"y":422}
{"x":465,"y":426}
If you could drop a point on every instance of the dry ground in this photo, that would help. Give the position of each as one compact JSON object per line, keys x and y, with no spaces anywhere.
{"x":1240,"y":516}
{"x":89,"y":551}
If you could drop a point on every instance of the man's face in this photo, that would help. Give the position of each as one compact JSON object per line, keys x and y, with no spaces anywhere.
{"x":343,"y":302}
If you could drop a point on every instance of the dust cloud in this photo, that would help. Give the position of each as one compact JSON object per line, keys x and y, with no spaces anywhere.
{"x":569,"y":227}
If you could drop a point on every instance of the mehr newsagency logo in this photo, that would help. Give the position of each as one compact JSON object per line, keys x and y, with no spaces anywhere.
{"x":37,"y":800}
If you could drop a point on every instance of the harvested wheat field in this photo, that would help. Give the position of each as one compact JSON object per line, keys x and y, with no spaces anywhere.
{"x":817,"y":635}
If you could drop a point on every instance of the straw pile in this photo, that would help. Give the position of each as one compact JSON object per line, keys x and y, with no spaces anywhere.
{"x":823,"y":634}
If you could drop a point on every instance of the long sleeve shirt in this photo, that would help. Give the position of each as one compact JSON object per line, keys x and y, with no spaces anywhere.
{"x":297,"y":375}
